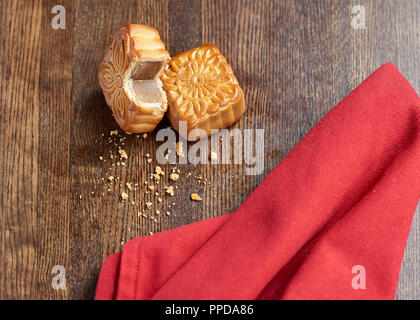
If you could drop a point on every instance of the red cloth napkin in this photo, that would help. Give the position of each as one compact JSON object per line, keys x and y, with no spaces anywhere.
{"x":343,"y":197}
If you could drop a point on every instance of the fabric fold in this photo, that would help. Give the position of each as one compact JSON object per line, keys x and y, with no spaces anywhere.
{"x":343,"y":197}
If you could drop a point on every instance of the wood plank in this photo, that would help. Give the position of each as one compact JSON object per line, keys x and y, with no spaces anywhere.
{"x":20,"y":59}
{"x":53,"y":215}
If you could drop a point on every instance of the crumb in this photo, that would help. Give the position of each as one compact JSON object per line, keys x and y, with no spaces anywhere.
{"x":196,"y":197}
{"x":113,"y":132}
{"x":159,"y":171}
{"x":174,"y":176}
{"x":213,"y":156}
{"x":101,"y":158}
{"x":129,"y":186}
{"x":144,"y":135}
{"x":124,"y":196}
{"x":123,"y":154}
{"x":170,"y":190}
{"x":152,"y":188}
{"x":179,"y":150}
{"x":148,"y":205}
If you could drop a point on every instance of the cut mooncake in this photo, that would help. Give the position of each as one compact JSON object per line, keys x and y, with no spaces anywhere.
{"x":129,"y":76}
{"x":202,"y":91}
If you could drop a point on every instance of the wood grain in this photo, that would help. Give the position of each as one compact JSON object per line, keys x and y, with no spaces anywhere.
{"x":53,"y":215}
{"x":295,"y":60}
{"x":20,"y":105}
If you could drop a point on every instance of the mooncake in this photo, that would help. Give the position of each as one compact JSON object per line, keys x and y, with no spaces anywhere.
{"x":129,"y":76}
{"x":202,"y":91}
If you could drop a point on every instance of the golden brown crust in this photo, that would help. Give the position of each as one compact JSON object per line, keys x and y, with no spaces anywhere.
{"x":202,"y":90}
{"x":145,"y":43}
{"x":131,"y":44}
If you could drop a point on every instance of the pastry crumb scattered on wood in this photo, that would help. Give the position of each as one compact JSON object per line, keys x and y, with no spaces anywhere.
{"x":174,"y":176}
{"x":195,"y":197}
{"x":170,"y":190}
{"x":123,"y":154}
{"x":179,"y":149}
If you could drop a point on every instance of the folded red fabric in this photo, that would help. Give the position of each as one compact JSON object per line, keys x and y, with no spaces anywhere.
{"x":343,"y":197}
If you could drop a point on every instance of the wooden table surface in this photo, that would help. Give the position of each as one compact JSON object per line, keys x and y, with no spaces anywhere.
{"x":294,"y":59}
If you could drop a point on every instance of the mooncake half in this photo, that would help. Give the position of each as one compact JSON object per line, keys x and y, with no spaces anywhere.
{"x":129,"y":76}
{"x":202,"y":91}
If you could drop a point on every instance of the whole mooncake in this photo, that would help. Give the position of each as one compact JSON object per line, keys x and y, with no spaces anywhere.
{"x":202,"y":91}
{"x":129,"y":76}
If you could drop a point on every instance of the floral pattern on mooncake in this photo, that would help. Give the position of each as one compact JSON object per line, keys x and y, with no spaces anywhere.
{"x":202,"y":90}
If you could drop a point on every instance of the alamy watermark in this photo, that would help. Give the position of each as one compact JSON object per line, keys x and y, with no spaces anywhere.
{"x":59,"y":279}
{"x":358,"y":21}
{"x":59,"y":20}
{"x":222,"y":147}
{"x":359,"y":280}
